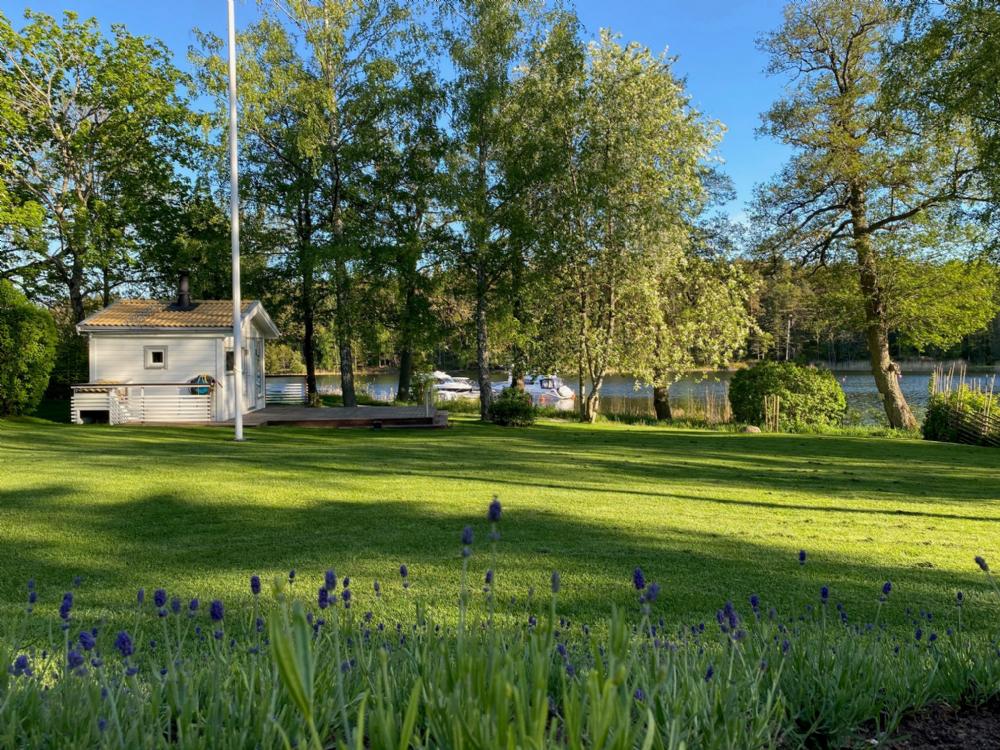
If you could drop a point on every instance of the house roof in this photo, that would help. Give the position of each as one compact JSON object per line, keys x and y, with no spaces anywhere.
{"x":140,"y":314}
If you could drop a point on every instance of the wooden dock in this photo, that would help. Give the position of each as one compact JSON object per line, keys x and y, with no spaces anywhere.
{"x":375,"y":417}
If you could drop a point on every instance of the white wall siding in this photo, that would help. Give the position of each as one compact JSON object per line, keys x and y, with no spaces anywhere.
{"x":121,"y":359}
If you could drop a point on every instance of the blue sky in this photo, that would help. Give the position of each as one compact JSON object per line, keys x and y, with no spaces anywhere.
{"x":714,"y":40}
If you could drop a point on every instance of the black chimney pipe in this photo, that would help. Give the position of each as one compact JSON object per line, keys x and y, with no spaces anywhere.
{"x":183,"y":292}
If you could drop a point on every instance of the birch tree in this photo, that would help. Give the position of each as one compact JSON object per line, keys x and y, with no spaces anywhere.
{"x":632,"y":172}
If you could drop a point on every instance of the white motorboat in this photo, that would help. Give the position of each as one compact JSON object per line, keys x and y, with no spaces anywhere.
{"x":448,"y":388}
{"x":545,"y":390}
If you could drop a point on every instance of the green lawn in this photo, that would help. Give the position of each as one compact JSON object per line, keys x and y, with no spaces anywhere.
{"x":709,"y":515}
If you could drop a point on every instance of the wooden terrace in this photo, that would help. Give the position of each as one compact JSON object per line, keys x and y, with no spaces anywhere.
{"x":375,"y":417}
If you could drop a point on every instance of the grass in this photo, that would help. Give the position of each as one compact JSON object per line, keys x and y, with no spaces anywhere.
{"x":709,"y":515}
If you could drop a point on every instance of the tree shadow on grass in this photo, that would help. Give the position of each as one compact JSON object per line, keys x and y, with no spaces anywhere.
{"x":193,"y":544}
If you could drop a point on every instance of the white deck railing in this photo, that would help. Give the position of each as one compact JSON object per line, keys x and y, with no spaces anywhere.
{"x":286,"y":391}
{"x":142,"y":402}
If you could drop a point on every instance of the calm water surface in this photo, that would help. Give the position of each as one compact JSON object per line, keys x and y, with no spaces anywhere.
{"x":859,"y":387}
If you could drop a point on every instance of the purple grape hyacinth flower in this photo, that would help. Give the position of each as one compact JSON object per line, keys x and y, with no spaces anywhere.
{"x":346,"y":596}
{"x":638,"y":579}
{"x":467,"y":536}
{"x":330,"y":580}
{"x":87,"y":641}
{"x":983,"y":566}
{"x":489,"y":577}
{"x":709,"y":673}
{"x":159,"y":597}
{"x":216,"y":610}
{"x":323,"y":598}
{"x":74,"y":659}
{"x":22,"y":666}
{"x":193,"y":605}
{"x":67,"y":605}
{"x":824,"y":594}
{"x":555,"y":582}
{"x":493,"y":513}
{"x":123,"y":642}
{"x":140,"y":596}
{"x":255,"y":585}
{"x":652,"y":591}
{"x":887,"y":588}
{"x":802,"y":557}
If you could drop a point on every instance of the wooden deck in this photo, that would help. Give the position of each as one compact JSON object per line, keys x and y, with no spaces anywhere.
{"x":375,"y":417}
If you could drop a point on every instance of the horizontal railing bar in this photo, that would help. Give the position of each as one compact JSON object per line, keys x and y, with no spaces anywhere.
{"x":109,"y":386}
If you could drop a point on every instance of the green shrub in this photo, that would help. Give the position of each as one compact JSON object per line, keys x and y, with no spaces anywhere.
{"x":27,"y":351}
{"x":282,"y":358}
{"x":512,"y":408}
{"x":808,"y":396}
{"x":939,"y":423}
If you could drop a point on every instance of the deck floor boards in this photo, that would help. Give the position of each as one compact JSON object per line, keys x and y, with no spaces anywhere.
{"x":340,"y":416}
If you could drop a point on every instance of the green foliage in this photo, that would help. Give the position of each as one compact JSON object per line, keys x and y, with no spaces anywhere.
{"x":953,"y":50}
{"x":282,"y":358}
{"x":512,"y":408}
{"x":808,"y":395}
{"x":27,"y":351}
{"x":95,"y":129}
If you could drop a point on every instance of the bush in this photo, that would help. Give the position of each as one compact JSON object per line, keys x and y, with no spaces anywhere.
{"x":281,"y":358}
{"x":512,"y":408}
{"x":27,"y":351}
{"x":940,"y":422}
{"x":808,"y":396}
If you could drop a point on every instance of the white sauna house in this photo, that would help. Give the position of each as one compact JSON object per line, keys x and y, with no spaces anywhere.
{"x":171,"y":361}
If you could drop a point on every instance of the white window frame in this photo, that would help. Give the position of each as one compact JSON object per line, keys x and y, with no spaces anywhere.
{"x":147,"y":358}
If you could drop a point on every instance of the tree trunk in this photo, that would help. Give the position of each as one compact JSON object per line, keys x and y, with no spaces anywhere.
{"x":884,"y":370}
{"x":305,"y":230}
{"x":344,"y":335}
{"x":519,"y":356}
{"x":593,"y":401}
{"x":404,"y":391}
{"x":309,"y":351}
{"x":76,"y":292}
{"x":661,"y":402}
{"x":482,"y":344}
{"x":405,"y":385}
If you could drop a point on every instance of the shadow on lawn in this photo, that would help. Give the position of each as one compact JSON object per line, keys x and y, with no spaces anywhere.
{"x":196,"y":546}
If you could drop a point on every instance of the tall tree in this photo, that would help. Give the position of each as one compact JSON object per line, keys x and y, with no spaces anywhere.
{"x":487,"y":40}
{"x":407,"y":202}
{"x":863,"y":170}
{"x":312,"y":74}
{"x":93,"y":130}
{"x":631,"y":176}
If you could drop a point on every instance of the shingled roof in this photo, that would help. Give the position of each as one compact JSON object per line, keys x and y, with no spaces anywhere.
{"x":146,"y":314}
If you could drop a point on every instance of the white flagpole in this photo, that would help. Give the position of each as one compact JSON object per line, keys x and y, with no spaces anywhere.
{"x":234,"y":218}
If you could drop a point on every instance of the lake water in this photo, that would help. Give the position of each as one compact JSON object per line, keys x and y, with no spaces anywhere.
{"x":691,"y":395}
